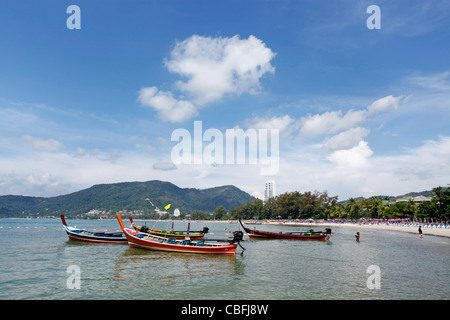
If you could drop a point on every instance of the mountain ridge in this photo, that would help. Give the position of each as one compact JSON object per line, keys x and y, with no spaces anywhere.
{"x":131,"y":196}
{"x":128,"y":196}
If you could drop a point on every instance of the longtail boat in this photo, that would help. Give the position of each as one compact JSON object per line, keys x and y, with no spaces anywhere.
{"x":294,"y":235}
{"x":193,"y":235}
{"x":137,"y":239}
{"x":93,"y":236}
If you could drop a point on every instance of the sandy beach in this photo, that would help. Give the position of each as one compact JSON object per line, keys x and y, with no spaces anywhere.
{"x":442,"y":232}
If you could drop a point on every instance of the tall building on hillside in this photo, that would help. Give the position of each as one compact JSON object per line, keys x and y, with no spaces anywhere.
{"x":270,"y":190}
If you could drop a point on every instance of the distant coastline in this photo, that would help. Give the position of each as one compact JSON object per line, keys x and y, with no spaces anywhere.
{"x":441,"y":230}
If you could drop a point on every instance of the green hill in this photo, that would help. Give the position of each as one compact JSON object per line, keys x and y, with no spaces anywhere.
{"x":125,"y":196}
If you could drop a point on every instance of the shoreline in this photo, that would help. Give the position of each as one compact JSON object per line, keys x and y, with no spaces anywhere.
{"x":426,"y":231}
{"x":409,"y":228}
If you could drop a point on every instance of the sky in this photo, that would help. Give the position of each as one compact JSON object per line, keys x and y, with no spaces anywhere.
{"x":98,"y":95}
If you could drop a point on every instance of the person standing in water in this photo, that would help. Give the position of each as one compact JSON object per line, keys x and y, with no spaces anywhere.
{"x":357,"y":237}
{"x":420,"y":232}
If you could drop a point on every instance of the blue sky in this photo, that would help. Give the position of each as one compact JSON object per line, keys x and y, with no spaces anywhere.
{"x":360,"y":112}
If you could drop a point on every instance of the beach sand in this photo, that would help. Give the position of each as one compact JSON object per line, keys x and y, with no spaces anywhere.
{"x":400,"y":228}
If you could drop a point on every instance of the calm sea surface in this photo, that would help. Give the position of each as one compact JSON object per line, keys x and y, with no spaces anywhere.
{"x":35,"y":255}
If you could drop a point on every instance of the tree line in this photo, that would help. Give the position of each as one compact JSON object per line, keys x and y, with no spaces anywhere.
{"x":319,"y":205}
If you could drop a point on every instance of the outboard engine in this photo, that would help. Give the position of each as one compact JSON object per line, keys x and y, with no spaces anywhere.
{"x":205,"y":230}
{"x":328,"y":230}
{"x":144,"y":229}
{"x":238,"y":236}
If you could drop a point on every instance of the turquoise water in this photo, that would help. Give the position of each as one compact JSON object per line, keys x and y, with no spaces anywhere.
{"x":35,"y":256}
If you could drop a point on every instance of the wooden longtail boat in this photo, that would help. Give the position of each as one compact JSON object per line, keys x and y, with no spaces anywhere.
{"x":308,"y":235}
{"x":193,"y":235}
{"x":137,"y":239}
{"x":93,"y":236}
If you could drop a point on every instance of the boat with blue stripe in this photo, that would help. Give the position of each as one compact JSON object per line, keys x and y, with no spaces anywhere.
{"x":78,"y":234}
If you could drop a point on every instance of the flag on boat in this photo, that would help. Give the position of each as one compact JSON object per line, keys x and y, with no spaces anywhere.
{"x":167,"y":207}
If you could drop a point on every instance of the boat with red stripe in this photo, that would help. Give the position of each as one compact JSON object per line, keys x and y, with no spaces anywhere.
{"x":292,"y":235}
{"x":137,"y":239}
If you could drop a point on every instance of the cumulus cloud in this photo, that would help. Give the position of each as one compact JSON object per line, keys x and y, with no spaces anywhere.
{"x":280,"y":123}
{"x":211,"y":68}
{"x":355,"y":157}
{"x":38,"y":144}
{"x":285,"y":124}
{"x":168,"y":108}
{"x":330,"y":122}
{"x":346,"y":139}
{"x":384,"y":104}
{"x":217,"y":66}
{"x":336,"y":121}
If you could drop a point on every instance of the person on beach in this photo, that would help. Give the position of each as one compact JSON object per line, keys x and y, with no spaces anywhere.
{"x":420,"y":232}
{"x":357,"y":237}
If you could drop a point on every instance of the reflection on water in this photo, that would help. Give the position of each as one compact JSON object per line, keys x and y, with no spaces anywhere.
{"x":172,"y":275}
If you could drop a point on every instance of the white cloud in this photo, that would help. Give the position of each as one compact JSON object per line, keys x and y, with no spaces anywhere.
{"x":41,"y":180}
{"x":38,"y":144}
{"x":80,"y":152}
{"x":280,"y":123}
{"x":330,"y":122}
{"x":217,"y":66}
{"x":168,"y":108}
{"x":335,"y":121}
{"x":431,"y":160}
{"x":164,"y":165}
{"x":346,"y":139}
{"x":34,"y":184}
{"x":213,"y":67}
{"x":439,"y":81}
{"x":285,"y":124}
{"x":355,"y":157}
{"x":384,"y":104}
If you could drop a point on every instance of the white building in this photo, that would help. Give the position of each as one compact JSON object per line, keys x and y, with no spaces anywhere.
{"x":269,"y":192}
{"x":418,"y":199}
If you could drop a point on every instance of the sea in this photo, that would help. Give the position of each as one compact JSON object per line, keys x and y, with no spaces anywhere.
{"x":38,"y":262}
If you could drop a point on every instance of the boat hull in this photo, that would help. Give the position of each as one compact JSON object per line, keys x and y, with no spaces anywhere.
{"x":286,"y":237}
{"x":151,"y":245}
{"x":258,"y":234}
{"x":76,"y":234}
{"x":147,"y":241}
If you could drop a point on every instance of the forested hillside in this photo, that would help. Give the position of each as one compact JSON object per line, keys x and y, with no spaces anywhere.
{"x":126,"y":196}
